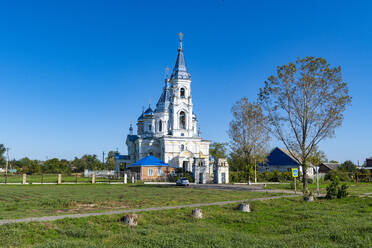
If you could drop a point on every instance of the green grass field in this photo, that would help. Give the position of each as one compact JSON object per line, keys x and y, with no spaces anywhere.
{"x":274,"y":223}
{"x":354,"y":188}
{"x":20,"y":201}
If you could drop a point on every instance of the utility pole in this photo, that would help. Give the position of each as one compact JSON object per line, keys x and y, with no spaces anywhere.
{"x":317,"y":180}
{"x":103,"y":159}
{"x":7,"y":161}
{"x":255,"y":171}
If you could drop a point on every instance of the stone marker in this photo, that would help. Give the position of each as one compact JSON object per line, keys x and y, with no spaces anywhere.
{"x":59,"y":179}
{"x":93,"y":178}
{"x":125,"y":178}
{"x":24,"y":179}
{"x":197,"y":213}
{"x":132,"y":179}
{"x":244,"y":207}
{"x":309,"y":198}
{"x":130,"y":219}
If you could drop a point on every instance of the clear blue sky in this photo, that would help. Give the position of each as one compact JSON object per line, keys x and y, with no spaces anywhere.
{"x":73,"y":74}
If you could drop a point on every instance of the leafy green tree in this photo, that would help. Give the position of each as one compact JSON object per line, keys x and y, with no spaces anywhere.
{"x":348,"y":166}
{"x":87,"y":161}
{"x":304,"y":104}
{"x":110,"y":160}
{"x":334,"y":161}
{"x":218,"y":150}
{"x":28,"y":166}
{"x":56,"y":166}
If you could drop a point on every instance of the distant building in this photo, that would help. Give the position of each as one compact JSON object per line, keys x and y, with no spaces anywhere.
{"x":324,"y":168}
{"x":368,"y":162}
{"x":368,"y":166}
{"x":282,"y":160}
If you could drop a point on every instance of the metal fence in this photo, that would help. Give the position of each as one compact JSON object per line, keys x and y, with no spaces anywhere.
{"x":67,"y":178}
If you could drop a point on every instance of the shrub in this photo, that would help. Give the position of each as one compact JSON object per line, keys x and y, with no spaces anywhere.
{"x":268,"y":176}
{"x":341,"y":175}
{"x":336,"y":191}
{"x":342,"y":191}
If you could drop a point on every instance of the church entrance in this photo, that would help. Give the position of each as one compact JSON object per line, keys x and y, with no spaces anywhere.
{"x":185,"y":166}
{"x":201,"y":178}
{"x":223,"y":177}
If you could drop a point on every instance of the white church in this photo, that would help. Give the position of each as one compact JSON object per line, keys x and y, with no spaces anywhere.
{"x":170,"y":132}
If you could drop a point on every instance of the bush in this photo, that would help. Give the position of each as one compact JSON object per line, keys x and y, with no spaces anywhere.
{"x":342,"y":191}
{"x":238,"y":177}
{"x":362,"y":175}
{"x":268,"y":176}
{"x":274,"y":176}
{"x":335,"y":191}
{"x":341,"y":175}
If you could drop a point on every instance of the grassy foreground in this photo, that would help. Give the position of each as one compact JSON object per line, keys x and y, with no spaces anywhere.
{"x":20,"y":201}
{"x":274,"y":223}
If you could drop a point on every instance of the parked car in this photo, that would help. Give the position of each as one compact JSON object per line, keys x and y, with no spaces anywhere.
{"x":183,"y":182}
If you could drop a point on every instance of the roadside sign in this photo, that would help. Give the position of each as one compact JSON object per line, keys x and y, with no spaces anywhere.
{"x":294,"y":172}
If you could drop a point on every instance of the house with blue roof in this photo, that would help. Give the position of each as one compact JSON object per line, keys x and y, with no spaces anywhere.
{"x":283,"y":161}
{"x":151,"y":168}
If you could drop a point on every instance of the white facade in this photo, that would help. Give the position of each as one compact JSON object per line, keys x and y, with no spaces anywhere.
{"x":170,"y":131}
{"x":221,"y":171}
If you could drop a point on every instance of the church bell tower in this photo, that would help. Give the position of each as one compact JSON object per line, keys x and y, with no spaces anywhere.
{"x":182,"y":119}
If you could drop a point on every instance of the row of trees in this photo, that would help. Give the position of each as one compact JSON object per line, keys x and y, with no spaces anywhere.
{"x":301,"y":105}
{"x":55,"y":165}
{"x":348,"y":171}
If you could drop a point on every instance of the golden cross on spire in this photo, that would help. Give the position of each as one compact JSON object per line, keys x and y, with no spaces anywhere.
{"x":166,"y":72}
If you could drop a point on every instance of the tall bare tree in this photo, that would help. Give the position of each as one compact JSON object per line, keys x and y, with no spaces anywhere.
{"x":248,"y":136}
{"x":304,"y":104}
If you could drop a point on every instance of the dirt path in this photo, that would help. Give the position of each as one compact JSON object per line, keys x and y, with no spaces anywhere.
{"x":53,"y":218}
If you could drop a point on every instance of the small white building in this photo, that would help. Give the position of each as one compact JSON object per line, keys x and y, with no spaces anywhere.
{"x":221,"y":171}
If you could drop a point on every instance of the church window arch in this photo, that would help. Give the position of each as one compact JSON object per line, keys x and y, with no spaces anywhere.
{"x":182,"y":93}
{"x":182,"y":120}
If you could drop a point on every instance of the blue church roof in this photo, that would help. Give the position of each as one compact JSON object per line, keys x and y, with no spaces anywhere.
{"x":148,"y":161}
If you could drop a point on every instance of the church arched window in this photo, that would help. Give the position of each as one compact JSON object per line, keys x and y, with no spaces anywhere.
{"x":160,"y":126}
{"x":182,"y":93}
{"x":182,"y":120}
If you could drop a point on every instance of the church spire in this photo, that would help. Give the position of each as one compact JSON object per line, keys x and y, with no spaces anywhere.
{"x":180,"y":70}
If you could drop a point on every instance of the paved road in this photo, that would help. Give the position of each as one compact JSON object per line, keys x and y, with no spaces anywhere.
{"x":53,"y":218}
{"x":256,"y":188}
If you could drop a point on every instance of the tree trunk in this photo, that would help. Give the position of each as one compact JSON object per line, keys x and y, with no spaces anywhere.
{"x":304,"y":179}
